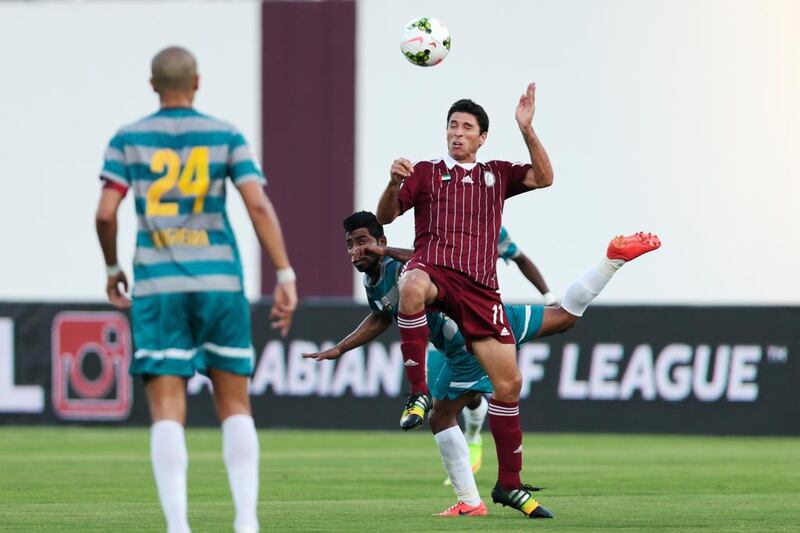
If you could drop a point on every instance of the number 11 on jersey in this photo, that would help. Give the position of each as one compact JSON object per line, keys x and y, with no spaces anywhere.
{"x":497,"y":313}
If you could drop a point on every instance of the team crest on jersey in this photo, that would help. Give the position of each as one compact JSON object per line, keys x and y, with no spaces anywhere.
{"x":489,"y":179}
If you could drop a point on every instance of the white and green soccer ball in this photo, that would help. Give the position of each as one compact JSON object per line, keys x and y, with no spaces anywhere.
{"x":425,"y":41}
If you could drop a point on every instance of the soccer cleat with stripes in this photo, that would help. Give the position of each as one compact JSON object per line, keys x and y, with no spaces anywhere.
{"x":521,"y":500}
{"x":629,"y":247}
{"x":475,"y":458}
{"x":417,"y":406}
{"x":462,"y":509}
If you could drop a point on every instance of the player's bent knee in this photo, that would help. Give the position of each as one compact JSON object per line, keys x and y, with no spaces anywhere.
{"x":508,"y":389}
{"x":413,"y":290}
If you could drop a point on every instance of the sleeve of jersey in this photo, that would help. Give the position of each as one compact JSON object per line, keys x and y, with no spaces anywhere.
{"x":242,"y":163}
{"x":515,"y":175}
{"x":115,"y":167}
{"x":407,"y":195}
{"x":525,"y":320}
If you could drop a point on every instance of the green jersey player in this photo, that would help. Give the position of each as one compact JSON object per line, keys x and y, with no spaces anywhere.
{"x":189,"y":311}
{"x":455,"y":379}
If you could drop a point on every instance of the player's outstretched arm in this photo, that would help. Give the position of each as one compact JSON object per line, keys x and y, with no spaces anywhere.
{"x":268,"y":229}
{"x":372,"y":326}
{"x":541,"y":172}
{"x":389,"y":203}
{"x":106,"y":225}
{"x":532,"y":274}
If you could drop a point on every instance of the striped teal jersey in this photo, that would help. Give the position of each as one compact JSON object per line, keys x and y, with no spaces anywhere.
{"x":176,"y":162}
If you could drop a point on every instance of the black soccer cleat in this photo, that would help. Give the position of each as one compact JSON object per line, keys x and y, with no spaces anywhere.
{"x":521,"y":500}
{"x":417,"y":406}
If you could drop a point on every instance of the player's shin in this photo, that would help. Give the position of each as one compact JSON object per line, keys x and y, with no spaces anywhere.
{"x":170,"y":462}
{"x":414,"y":337}
{"x":240,"y":452}
{"x":455,"y":458}
{"x":505,"y":426}
{"x":583,"y":290}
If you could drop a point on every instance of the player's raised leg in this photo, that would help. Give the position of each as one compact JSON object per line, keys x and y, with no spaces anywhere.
{"x":416,"y":291}
{"x":455,"y":455}
{"x":500,"y":363}
{"x":239,"y":445}
{"x":166,"y":397}
{"x":621,"y":249}
{"x":585,"y":289}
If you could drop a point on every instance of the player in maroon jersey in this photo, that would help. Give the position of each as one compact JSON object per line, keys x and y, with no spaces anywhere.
{"x":458,"y":203}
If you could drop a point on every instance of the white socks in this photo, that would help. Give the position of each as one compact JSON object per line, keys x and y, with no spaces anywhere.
{"x":240,"y":452}
{"x":455,"y":458}
{"x":583,"y":290}
{"x":473,"y":421}
{"x":170,"y":462}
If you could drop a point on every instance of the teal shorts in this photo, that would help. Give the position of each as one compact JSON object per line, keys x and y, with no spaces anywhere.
{"x":449,"y":378}
{"x":179,"y":333}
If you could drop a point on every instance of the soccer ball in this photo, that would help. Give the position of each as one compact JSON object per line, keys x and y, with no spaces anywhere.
{"x":425,"y":42}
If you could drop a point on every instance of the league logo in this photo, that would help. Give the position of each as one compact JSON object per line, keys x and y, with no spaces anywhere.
{"x":91,"y":352}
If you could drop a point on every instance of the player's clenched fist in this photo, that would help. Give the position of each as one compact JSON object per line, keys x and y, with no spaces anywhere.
{"x":401,"y":169}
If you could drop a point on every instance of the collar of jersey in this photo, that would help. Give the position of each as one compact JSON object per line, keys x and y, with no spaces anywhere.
{"x":450,"y":162}
{"x":177,"y":111}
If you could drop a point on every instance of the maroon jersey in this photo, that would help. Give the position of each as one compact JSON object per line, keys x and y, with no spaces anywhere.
{"x":458,"y":212}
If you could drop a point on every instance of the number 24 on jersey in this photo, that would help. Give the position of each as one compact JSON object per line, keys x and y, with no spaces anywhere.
{"x":192,"y":180}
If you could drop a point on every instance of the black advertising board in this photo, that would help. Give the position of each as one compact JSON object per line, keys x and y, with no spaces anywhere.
{"x":697,"y":370}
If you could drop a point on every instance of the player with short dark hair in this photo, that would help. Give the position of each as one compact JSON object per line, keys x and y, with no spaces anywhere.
{"x":189,"y":311}
{"x":458,"y":203}
{"x":455,"y":378}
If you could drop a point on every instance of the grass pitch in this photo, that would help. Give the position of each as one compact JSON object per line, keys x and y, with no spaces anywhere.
{"x":80,"y":479}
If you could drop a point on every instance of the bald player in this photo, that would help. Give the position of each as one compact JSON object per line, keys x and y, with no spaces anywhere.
{"x":189,"y":311}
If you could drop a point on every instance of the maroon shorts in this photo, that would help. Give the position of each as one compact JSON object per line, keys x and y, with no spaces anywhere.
{"x":476,"y":308}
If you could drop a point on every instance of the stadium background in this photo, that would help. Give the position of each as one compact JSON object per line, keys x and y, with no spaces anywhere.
{"x":679,"y":117}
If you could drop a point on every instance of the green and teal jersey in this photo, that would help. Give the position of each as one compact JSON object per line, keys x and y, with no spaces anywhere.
{"x":176,"y":163}
{"x":383,"y":295}
{"x":507,"y":249}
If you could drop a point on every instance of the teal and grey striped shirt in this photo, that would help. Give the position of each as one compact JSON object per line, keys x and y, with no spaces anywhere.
{"x":176,"y":162}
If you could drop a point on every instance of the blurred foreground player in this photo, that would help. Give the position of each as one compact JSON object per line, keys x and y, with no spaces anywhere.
{"x":189,"y":311}
{"x":458,"y":204}
{"x":456,"y":380}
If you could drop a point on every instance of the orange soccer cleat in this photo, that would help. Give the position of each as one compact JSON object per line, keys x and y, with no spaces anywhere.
{"x":462,"y":509}
{"x":629,"y":247}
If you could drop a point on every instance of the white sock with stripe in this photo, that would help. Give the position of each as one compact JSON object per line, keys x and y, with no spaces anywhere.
{"x":455,"y":458}
{"x":240,"y":452}
{"x":583,"y":290}
{"x":170,"y":462}
{"x":473,"y":421}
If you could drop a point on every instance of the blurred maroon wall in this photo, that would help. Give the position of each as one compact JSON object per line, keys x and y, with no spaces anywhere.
{"x":308,"y":136}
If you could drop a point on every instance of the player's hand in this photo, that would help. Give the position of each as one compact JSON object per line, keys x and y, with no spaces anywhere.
{"x":401,"y":169}
{"x":332,"y":353}
{"x":284,"y":302}
{"x":526,"y":106}
{"x":118,"y":298}
{"x":367,"y":249}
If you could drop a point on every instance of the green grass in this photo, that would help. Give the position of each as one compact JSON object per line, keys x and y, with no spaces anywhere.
{"x":79,"y":479}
